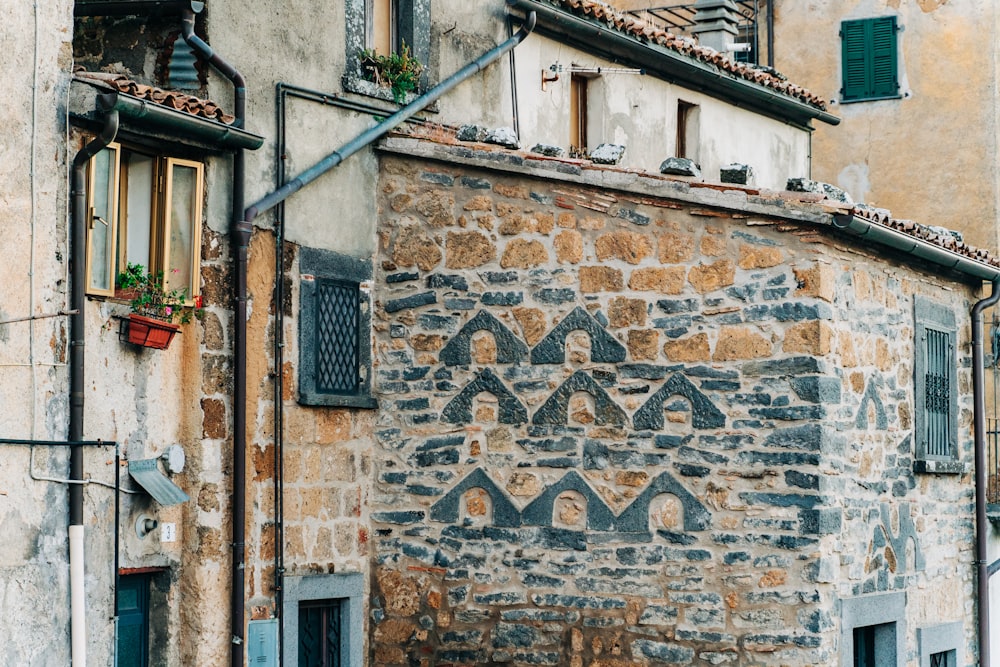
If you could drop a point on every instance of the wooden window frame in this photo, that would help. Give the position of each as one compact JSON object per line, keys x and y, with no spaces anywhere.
{"x":159,"y":214}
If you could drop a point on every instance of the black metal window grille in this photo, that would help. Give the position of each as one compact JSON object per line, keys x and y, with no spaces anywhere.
{"x":319,"y":633}
{"x":937,"y":395}
{"x":337,"y":337}
{"x":943,"y":659}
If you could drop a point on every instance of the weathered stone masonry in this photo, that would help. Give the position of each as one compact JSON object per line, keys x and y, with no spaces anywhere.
{"x":623,"y":429}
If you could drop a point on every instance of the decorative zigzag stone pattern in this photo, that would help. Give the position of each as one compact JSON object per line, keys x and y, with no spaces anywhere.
{"x":459,"y":409}
{"x":510,"y":350}
{"x":617,"y":420}
{"x":604,"y":347}
{"x":555,"y":410}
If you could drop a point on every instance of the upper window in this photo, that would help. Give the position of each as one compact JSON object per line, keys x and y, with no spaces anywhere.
{"x":935,"y":388}
{"x":869,"y":60}
{"x":143,"y":209}
{"x":384,"y":26}
{"x":578,"y":90}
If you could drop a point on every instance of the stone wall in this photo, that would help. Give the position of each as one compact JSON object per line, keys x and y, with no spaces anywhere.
{"x":622,"y":429}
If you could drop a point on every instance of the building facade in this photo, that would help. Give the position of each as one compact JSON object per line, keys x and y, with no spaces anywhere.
{"x":559,"y":373}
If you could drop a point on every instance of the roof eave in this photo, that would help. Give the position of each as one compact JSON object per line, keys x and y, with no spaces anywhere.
{"x":90,"y":102}
{"x":670,"y":65}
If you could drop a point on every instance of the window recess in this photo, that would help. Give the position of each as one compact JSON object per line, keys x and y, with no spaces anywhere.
{"x":935,"y":388}
{"x":869,"y":60}
{"x":144,"y":208}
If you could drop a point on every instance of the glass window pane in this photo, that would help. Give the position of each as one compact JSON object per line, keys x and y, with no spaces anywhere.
{"x":139,"y":209}
{"x":182,"y":227}
{"x":102,"y":221}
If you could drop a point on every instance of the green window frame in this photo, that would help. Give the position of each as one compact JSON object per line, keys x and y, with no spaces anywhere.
{"x":869,"y":59}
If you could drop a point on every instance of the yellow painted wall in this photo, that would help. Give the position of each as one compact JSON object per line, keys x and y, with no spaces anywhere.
{"x":930,"y":155}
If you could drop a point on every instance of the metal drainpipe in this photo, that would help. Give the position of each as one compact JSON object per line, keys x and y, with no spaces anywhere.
{"x":770,"y":33}
{"x":979,"y":435}
{"x":241,"y":232}
{"x":78,"y":263}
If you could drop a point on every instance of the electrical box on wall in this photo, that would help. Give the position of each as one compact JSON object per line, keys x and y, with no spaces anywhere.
{"x":262,"y":643}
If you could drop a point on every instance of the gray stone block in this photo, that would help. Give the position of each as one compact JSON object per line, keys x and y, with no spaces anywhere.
{"x":608,"y":154}
{"x":548,"y":150}
{"x":680,"y":166}
{"x":472,"y":133}
{"x":737,"y":174}
{"x":503,"y":136}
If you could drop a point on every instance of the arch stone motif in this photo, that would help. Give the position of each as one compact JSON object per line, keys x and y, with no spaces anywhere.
{"x":539,"y":511}
{"x":871,"y":395}
{"x":635,"y":518}
{"x":510,"y":349}
{"x":505,"y":514}
{"x":459,"y":409}
{"x":704,"y":414}
{"x":555,"y":410}
{"x":603,"y":346}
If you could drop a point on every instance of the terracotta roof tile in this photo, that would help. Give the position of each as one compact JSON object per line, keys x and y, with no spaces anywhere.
{"x":168,"y":98}
{"x":630,"y":25}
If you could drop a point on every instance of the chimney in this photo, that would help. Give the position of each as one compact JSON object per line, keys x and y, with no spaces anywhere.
{"x":715,"y":24}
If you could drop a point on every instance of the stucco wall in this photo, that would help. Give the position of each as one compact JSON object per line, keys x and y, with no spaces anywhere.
{"x":620,"y":427}
{"x":34,"y":573}
{"x":640,"y":112}
{"x":912,"y":155}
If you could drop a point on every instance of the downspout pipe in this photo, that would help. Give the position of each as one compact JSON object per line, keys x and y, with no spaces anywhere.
{"x":78,"y":277}
{"x":372,"y":134}
{"x":979,"y":434}
{"x":240,"y":232}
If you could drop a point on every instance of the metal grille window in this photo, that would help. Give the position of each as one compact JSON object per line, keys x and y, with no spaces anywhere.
{"x":319,"y":633}
{"x":943,"y":659}
{"x":937,"y":391}
{"x":869,"y":61}
{"x":336,"y":343}
{"x":935,"y":386}
{"x":334,"y":330}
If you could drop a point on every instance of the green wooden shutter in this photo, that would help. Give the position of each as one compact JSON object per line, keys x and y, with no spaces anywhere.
{"x":868,"y":51}
{"x":854,"y":59}
{"x":883,"y":61}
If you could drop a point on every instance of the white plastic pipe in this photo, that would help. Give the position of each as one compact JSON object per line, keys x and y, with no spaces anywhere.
{"x":78,"y":617}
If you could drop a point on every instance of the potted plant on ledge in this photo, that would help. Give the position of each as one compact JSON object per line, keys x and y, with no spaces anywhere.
{"x":154,"y":308}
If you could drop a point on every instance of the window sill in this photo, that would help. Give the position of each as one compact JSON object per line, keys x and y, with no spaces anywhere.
{"x":356,"y":84}
{"x":940,"y":467}
{"x":338,"y":401}
{"x":855,"y":100}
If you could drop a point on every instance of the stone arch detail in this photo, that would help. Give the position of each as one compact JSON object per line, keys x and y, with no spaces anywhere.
{"x":603,"y":346}
{"x":871,"y":395}
{"x":635,"y":518}
{"x":505,"y":514}
{"x":539,"y":511}
{"x":459,"y":409}
{"x":510,"y":349}
{"x":555,"y":410}
{"x":704,"y":414}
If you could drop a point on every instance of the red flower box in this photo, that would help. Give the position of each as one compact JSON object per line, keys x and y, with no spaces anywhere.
{"x":150,"y":332}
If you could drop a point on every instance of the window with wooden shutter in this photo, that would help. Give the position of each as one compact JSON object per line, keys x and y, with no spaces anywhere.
{"x":869,"y":59}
